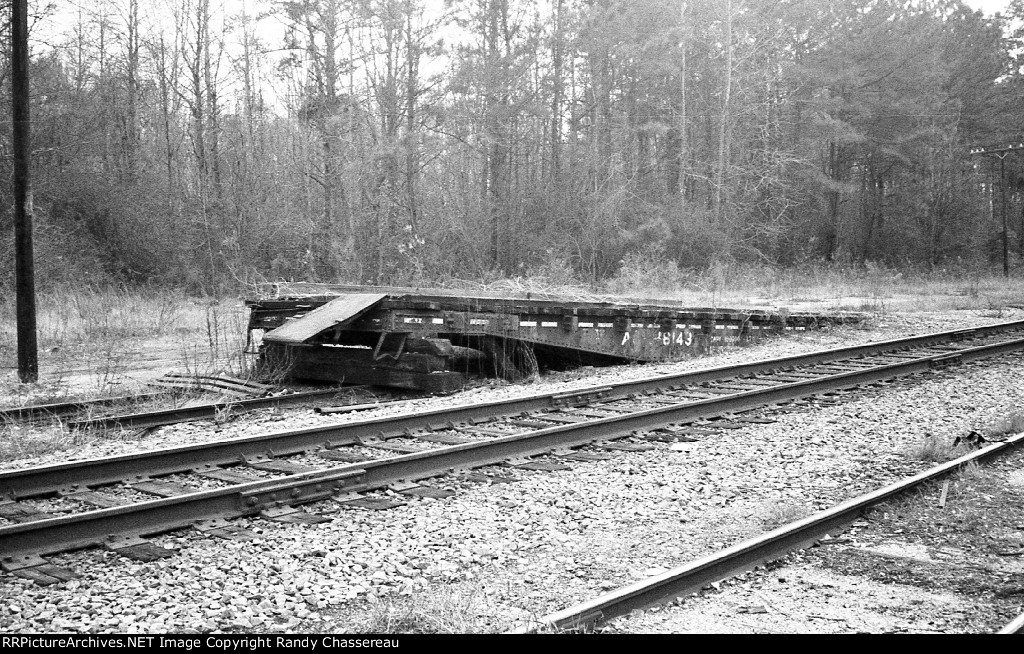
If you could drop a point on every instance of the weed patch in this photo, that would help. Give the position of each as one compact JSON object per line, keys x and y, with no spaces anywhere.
{"x":936,"y":449}
{"x":775,"y":514}
{"x":21,"y":441}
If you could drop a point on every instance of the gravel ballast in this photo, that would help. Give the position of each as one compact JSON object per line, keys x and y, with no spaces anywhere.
{"x":493,"y":556}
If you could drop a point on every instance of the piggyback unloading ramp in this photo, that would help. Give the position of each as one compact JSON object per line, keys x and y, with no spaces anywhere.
{"x":328,"y":344}
{"x":335,"y":314}
{"x":434,"y":340}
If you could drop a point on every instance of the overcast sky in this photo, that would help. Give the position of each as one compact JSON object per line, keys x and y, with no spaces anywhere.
{"x":988,"y":6}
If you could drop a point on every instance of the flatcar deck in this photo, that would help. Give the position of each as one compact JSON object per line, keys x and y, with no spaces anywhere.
{"x":433,"y":340}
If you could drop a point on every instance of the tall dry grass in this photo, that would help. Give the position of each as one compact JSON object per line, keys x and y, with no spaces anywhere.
{"x":92,"y":341}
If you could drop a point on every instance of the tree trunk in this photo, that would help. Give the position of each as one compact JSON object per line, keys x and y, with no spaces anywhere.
{"x":723,"y":129}
{"x":131,"y":135}
{"x":557,"y":38}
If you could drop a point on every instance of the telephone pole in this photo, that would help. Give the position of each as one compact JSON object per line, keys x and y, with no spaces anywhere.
{"x":24,"y":275}
{"x":1000,"y":152}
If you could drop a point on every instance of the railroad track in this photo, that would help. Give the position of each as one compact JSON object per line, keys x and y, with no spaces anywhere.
{"x":110,"y":501}
{"x":692,"y":577}
{"x":1015,"y":626}
{"x":87,"y":414}
{"x":60,"y":410}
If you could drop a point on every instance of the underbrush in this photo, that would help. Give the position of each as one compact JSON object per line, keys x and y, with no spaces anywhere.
{"x":870,"y":288}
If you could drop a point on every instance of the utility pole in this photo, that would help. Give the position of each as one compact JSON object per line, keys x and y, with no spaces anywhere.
{"x":24,"y":276}
{"x":1000,"y":152}
{"x":1006,"y":234}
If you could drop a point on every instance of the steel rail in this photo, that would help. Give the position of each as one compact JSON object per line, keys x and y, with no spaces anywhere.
{"x":1016,"y":626}
{"x":157,"y":516}
{"x":161,"y":417}
{"x":42,"y":480}
{"x":731,"y":561}
{"x":61,"y":409}
{"x":157,"y":417}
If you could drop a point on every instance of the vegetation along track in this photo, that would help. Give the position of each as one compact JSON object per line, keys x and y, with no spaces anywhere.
{"x":108,"y":501}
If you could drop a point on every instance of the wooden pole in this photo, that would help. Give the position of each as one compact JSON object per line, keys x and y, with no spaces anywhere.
{"x":25,"y":293}
{"x":1006,"y":233}
{"x":1001,"y":151}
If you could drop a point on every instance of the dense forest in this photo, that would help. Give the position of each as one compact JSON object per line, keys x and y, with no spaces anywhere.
{"x":209,"y":143}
